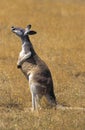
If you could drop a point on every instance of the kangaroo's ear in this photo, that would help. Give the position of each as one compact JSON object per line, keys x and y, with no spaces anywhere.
{"x":27,"y":29}
{"x":32,"y":32}
{"x":29,"y":26}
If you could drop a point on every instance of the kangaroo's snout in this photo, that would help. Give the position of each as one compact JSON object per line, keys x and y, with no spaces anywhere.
{"x":18,"y":31}
{"x":12,"y":28}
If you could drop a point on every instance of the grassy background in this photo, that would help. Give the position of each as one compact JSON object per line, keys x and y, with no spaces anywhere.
{"x":60,"y":42}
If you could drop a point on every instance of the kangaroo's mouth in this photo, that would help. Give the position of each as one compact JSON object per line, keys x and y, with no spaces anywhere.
{"x":12,"y":28}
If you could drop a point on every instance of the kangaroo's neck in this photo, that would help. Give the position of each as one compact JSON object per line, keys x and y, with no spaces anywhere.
{"x":26,"y":40}
{"x":27,"y":45}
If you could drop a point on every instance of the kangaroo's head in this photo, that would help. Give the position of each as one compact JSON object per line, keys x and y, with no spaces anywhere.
{"x":23,"y":32}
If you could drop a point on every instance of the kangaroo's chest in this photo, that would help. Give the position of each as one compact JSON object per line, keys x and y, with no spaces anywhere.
{"x":27,"y":67}
{"x":22,"y":53}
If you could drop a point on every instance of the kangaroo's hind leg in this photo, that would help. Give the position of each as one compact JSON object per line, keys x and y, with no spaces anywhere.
{"x":35,"y":97}
{"x":33,"y":101}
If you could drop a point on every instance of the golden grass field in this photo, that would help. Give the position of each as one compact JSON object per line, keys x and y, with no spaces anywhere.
{"x":60,"y":42}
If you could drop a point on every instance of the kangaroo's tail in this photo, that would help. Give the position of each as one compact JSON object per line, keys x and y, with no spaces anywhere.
{"x":61,"y":107}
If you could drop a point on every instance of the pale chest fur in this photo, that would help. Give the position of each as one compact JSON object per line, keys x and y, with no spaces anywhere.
{"x":22,"y":53}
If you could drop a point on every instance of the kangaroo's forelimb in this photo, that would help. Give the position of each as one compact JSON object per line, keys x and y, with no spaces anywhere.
{"x":21,"y":60}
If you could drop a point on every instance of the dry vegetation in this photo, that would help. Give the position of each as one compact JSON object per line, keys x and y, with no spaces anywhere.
{"x":60,"y":42}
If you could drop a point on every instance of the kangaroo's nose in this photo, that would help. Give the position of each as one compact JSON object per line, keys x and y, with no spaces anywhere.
{"x":13,"y":28}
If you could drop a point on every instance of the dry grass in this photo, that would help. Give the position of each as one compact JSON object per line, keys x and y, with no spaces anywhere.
{"x":60,"y":43}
